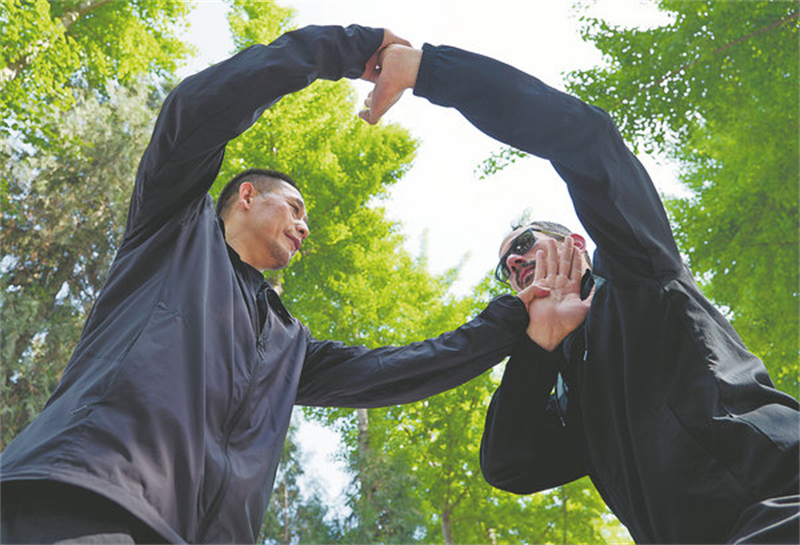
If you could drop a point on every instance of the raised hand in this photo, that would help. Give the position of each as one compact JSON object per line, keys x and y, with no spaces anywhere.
{"x":553,"y":299}
{"x":394,"y":71}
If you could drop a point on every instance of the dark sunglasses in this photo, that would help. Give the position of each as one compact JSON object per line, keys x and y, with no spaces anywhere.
{"x":521,"y":244}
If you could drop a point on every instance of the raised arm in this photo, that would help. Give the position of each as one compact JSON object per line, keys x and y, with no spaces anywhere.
{"x":611,"y":191}
{"x":208,"y":109}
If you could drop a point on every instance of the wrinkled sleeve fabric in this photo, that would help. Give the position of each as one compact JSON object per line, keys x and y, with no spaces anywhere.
{"x":612,"y":193}
{"x":210,"y":108}
{"x":353,"y":376}
{"x":525,"y":447}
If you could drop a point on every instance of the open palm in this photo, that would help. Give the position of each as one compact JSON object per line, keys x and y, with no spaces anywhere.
{"x":554,"y":302}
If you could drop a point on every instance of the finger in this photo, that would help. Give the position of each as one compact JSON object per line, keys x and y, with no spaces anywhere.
{"x":540,"y":268}
{"x":565,"y":259}
{"x":578,"y":266}
{"x":372,"y":70}
{"x":390,"y":37}
{"x":532,"y":292}
{"x":383,"y":97}
{"x":552,"y":259}
{"x":381,"y":100}
{"x":368,"y":101}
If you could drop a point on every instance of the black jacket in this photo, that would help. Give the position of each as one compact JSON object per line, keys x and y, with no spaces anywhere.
{"x":678,"y":425}
{"x":177,"y":398}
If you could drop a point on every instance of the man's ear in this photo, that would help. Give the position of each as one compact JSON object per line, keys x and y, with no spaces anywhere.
{"x":579,"y":241}
{"x":246,"y":194}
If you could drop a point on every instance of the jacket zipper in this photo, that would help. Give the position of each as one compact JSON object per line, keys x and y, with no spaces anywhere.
{"x":216,"y":503}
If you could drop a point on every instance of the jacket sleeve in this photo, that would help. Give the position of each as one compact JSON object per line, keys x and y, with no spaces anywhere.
{"x":353,"y":376}
{"x":210,"y":108}
{"x":525,"y":447}
{"x":612,"y":193}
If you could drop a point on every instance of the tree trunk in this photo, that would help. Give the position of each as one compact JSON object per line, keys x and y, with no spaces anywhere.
{"x":362,"y":417}
{"x":447,"y":529}
{"x":286,"y":514}
{"x":564,"y":499}
{"x":80,"y":11}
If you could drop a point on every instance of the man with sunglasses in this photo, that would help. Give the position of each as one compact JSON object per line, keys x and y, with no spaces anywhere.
{"x":679,"y":427}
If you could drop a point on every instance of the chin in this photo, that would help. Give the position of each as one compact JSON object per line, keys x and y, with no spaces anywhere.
{"x":277,"y":267}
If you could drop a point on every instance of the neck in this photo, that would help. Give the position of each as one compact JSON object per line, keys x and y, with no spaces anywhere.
{"x":236,"y":238}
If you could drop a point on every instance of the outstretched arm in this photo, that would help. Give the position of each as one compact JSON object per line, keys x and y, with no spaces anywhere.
{"x":353,"y":376}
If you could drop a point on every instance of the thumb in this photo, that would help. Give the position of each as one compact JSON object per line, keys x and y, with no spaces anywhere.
{"x":385,"y":94}
{"x":534,"y":291}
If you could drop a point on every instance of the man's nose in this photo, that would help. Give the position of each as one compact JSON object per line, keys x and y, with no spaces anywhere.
{"x":514,"y":262}
{"x":302,"y":228}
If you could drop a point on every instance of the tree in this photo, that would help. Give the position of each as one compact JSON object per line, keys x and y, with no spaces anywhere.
{"x":292,"y":516}
{"x":50,"y":48}
{"x":64,"y":216}
{"x":717,"y":90}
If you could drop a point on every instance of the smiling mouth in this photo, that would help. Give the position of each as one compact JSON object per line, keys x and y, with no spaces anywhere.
{"x":525,"y":274}
{"x":295,"y":243}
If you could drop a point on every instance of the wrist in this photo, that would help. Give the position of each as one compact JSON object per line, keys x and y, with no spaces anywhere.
{"x":545,"y":341}
{"x":406,"y":61}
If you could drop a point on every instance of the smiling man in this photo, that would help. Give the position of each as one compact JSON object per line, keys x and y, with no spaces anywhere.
{"x":169,"y":421}
{"x":679,"y":427}
{"x":264,"y":216}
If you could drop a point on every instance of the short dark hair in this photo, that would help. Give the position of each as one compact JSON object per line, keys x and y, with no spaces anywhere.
{"x":265,"y":181}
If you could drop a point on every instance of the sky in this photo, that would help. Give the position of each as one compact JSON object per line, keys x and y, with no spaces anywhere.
{"x":441,"y":203}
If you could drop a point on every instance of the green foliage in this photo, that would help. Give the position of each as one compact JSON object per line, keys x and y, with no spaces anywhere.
{"x":717,"y":89}
{"x":51,"y":48}
{"x":258,"y":22}
{"x":62,"y":221}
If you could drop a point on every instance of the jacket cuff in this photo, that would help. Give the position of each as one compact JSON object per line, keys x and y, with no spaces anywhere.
{"x":526,"y":349}
{"x":508,"y":310}
{"x":427,"y":68}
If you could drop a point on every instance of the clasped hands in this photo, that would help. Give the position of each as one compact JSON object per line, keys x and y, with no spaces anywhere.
{"x":392,"y":68}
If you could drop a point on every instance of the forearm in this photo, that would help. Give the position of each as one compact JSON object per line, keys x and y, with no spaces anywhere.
{"x":525,"y":446}
{"x":612,"y":192}
{"x":338,"y":375}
